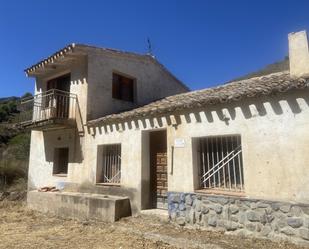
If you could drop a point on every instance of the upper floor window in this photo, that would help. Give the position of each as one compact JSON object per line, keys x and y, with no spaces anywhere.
{"x":123,"y":88}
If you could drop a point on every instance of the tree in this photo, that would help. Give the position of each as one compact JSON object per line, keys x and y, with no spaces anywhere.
{"x":26,"y":95}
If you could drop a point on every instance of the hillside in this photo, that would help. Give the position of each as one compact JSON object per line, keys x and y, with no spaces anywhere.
{"x":14,"y":146}
{"x":8,"y":99}
{"x":275,"y":67}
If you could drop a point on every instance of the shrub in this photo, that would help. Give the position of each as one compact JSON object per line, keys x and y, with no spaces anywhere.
{"x":14,"y":146}
{"x":19,"y":185}
{"x":19,"y":146}
{"x":11,"y":170}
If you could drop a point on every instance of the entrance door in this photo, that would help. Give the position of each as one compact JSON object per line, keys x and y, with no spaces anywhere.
{"x":158,"y":169}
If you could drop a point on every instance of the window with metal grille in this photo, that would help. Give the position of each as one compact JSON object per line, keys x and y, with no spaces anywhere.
{"x":61,"y":161}
{"x":220,"y":163}
{"x":109,"y":167}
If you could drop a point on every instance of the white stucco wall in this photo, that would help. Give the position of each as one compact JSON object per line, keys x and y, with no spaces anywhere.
{"x":152,"y":82}
{"x":275,"y":145}
{"x":42,"y":157}
{"x":274,"y":141}
{"x":273,"y":131}
{"x":43,"y":143}
{"x":91,"y":81}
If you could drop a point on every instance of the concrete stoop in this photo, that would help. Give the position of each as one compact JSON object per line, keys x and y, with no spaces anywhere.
{"x":81,"y":206}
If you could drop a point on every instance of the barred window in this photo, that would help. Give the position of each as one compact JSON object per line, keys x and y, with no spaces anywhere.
{"x":220,"y":163}
{"x":109,"y":167}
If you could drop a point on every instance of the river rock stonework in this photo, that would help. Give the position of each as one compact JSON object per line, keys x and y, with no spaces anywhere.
{"x":242,"y":216}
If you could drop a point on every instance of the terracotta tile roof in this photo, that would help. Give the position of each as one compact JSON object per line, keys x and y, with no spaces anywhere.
{"x":72,"y":48}
{"x":78,"y":48}
{"x":233,"y":91}
{"x":62,"y":52}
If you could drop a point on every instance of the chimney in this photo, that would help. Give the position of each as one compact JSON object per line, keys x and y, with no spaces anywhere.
{"x":299,"y":54}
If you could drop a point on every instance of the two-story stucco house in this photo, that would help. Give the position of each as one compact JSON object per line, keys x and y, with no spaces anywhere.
{"x":112,"y":124}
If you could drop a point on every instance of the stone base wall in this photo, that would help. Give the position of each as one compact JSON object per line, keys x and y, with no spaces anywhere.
{"x":241,"y":216}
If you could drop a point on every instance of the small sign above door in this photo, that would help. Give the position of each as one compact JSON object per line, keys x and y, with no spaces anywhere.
{"x":179,"y":143}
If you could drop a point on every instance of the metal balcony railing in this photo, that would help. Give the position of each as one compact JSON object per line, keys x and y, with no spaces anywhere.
{"x":50,"y":105}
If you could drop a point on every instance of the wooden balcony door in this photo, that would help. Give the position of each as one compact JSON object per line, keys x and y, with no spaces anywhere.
{"x":60,"y":102}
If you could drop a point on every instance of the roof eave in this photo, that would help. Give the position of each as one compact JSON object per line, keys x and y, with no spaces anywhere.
{"x":50,"y":62}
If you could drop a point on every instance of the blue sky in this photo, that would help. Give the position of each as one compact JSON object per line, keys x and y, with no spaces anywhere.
{"x":203,"y":43}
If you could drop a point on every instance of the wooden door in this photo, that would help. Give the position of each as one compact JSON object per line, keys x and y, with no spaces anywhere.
{"x":158,"y":163}
{"x":61,"y":99}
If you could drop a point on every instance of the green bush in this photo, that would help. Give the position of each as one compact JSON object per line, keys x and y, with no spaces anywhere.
{"x":20,"y":184}
{"x":19,"y":146}
{"x":11,"y":170}
{"x":8,"y":108}
{"x":26,"y":95}
{"x":14,"y":147}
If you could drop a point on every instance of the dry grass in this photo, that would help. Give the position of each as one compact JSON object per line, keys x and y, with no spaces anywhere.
{"x":23,"y":228}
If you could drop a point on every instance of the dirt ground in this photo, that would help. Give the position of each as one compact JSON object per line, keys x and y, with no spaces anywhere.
{"x":23,"y":228}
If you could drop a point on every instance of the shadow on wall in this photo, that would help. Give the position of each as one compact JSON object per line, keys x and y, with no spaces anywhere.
{"x":61,"y":139}
{"x":274,"y":105}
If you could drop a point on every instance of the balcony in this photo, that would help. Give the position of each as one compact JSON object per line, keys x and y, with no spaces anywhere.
{"x":53,"y":109}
